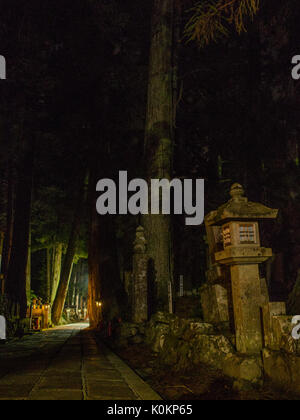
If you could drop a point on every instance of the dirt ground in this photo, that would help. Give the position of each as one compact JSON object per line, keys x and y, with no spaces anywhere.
{"x":202,"y":383}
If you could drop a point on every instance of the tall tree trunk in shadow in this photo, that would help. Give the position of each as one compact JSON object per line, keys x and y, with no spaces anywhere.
{"x":28,"y":271}
{"x":56,"y":269}
{"x":104,"y":277}
{"x":159,"y":146}
{"x":17,"y":270}
{"x":94,"y":289}
{"x":7,"y":244}
{"x":1,"y":243}
{"x":67,"y":267}
{"x":48,"y":288}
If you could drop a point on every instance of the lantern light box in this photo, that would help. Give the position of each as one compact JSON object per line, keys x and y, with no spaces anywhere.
{"x":236,"y":233}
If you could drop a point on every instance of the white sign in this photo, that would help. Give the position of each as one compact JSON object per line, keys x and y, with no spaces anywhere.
{"x":2,"y":328}
{"x":2,"y":67}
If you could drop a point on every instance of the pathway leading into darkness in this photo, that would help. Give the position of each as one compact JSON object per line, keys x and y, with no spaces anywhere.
{"x":66,"y":363}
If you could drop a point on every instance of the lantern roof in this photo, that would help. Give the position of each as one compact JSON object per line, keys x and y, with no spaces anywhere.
{"x":239,"y":208}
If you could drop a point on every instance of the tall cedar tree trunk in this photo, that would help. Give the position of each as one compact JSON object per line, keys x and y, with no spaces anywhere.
{"x":159,"y":146}
{"x":60,"y":299}
{"x":94,"y":291}
{"x":7,"y":245}
{"x":104,"y":274}
{"x":56,"y":269}
{"x":17,"y":270}
{"x":48,"y":288}
{"x":28,"y":271}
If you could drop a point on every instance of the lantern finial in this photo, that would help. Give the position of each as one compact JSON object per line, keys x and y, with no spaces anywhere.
{"x":237,"y":192}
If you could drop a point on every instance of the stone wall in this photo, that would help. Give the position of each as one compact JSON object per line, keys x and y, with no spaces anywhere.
{"x":185,"y":343}
{"x":282,"y":369}
{"x":128,"y":333}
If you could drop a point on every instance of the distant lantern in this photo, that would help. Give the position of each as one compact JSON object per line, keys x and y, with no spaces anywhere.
{"x":98,"y":304}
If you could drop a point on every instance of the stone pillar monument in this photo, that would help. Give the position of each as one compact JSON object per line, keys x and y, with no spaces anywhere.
{"x":215,"y":293}
{"x":242,"y":253}
{"x":139,"y":277}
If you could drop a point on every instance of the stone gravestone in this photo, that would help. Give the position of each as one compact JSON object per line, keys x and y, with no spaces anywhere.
{"x":181,"y":286}
{"x":214,"y":301}
{"x":216,"y":292}
{"x":2,"y":328}
{"x":139,"y":277}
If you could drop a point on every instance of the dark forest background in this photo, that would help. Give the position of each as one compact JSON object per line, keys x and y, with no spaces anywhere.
{"x":75,"y":99}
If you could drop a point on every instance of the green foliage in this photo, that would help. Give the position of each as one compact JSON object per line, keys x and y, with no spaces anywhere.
{"x":211,"y":19}
{"x":33,"y":295}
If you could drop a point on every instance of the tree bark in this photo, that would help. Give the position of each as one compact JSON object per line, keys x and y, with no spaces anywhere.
{"x":159,"y":140}
{"x":16,"y":277}
{"x":66,"y":272}
{"x":293,"y":303}
{"x":7,"y":244}
{"x":104,"y":276}
{"x":28,"y":272}
{"x":56,"y":269}
{"x":48,"y":288}
{"x":94,"y":287}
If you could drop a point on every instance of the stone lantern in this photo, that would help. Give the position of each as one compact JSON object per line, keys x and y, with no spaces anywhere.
{"x":242,"y":253}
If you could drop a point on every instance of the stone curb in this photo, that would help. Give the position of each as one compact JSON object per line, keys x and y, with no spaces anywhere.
{"x":138,"y":386}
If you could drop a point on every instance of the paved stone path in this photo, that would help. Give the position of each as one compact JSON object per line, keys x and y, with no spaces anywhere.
{"x":66,"y":363}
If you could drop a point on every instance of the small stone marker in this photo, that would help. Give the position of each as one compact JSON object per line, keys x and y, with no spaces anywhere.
{"x":181,"y":290}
